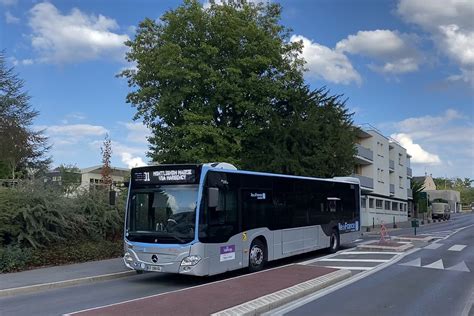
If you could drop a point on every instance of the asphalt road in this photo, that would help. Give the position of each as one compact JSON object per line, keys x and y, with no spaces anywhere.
{"x":76,"y":298}
{"x":65,"y":300}
{"x":409,"y":287}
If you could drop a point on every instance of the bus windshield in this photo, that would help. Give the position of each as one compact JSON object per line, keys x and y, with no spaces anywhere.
{"x":162,"y":215}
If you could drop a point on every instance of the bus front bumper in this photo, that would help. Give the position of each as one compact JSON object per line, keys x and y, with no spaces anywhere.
{"x":193,"y":265}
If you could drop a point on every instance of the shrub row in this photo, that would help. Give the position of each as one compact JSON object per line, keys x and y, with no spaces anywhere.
{"x":41,"y":225}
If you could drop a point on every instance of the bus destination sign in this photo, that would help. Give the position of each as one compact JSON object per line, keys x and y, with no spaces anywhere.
{"x":165,"y":176}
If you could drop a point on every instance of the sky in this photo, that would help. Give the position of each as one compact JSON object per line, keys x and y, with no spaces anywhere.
{"x":406,"y":68}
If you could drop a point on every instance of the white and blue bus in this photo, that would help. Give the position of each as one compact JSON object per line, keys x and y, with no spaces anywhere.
{"x":212,"y":218}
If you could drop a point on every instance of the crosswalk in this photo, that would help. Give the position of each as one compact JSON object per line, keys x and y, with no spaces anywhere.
{"x":440,"y":234}
{"x":356,"y":261}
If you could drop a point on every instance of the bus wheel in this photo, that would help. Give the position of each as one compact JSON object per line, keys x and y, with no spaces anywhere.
{"x":335,"y":241}
{"x":256,"y":256}
{"x":139,"y":271}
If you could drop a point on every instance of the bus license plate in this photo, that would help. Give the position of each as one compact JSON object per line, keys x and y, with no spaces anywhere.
{"x":154,"y":268}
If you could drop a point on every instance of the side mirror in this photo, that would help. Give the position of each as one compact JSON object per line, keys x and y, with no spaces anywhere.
{"x":212,"y":197}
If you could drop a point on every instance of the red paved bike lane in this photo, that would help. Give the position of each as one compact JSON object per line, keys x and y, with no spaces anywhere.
{"x":217,"y":296}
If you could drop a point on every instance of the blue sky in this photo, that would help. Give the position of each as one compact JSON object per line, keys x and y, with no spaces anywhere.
{"x":406,"y":67}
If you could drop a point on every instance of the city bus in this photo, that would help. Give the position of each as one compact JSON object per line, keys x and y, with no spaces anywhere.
{"x":205,"y":219}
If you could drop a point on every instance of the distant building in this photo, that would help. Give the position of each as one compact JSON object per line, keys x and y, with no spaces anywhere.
{"x":383,"y":168}
{"x":427,"y":181}
{"x":92,"y":176}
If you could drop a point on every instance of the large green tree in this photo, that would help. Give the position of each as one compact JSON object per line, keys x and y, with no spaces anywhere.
{"x":22,"y":149}
{"x":224,"y":83}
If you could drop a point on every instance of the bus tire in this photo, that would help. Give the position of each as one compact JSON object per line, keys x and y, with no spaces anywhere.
{"x":139,"y":271}
{"x":335,"y":241}
{"x":257,"y":256}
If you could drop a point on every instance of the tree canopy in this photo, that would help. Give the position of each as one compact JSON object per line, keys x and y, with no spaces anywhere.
{"x":225,"y":83}
{"x":22,"y":149}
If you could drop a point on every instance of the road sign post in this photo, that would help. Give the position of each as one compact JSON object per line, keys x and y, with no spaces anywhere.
{"x":415,"y":224}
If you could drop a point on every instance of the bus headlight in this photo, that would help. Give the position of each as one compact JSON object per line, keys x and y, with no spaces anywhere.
{"x":190,"y":261}
{"x":128,"y":258}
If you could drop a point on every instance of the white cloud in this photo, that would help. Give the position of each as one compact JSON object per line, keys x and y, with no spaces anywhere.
{"x":419,"y":155}
{"x":10,"y":18}
{"x":75,"y":130}
{"x":137,"y":132}
{"x":75,"y":37}
{"x":327,"y":64}
{"x":449,"y":22}
{"x":428,"y":124}
{"x":396,"y":51}
{"x":434,"y":140}
{"x":131,"y":161}
{"x":23,"y":62}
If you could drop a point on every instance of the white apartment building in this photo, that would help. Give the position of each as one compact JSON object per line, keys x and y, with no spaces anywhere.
{"x":383,"y":168}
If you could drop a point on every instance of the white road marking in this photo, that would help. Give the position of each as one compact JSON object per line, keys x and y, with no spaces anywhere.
{"x":460,"y":267}
{"x":457,"y":247}
{"x":312,"y":297}
{"x":357,"y":240}
{"x":413,"y":263}
{"x":433,"y":246}
{"x":350,"y":268}
{"x":436,"y":265}
{"x":371,"y":252}
{"x":356,"y":260}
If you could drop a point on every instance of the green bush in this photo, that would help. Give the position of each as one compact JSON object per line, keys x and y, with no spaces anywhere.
{"x":14,"y":258}
{"x":35,"y":215}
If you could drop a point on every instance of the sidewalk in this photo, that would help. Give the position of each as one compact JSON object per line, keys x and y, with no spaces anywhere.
{"x":250,"y":294}
{"x":389,"y":227}
{"x":61,"y":276}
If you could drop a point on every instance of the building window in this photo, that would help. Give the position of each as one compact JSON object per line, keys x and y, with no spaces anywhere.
{"x":394,"y":206}
{"x":380,"y":175}
{"x":400,"y":182}
{"x":363,"y":202}
{"x":387,"y":205}
{"x":380,"y":149}
{"x":400,"y":159}
{"x":401,"y":207}
{"x":378,"y":203}
{"x":371,"y":203}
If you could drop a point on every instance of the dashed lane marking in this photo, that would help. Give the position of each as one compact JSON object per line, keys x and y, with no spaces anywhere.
{"x":413,"y":263}
{"x":436,"y":265}
{"x":356,"y":260}
{"x":350,"y":268}
{"x":460,"y":267}
{"x":457,"y":247}
{"x":371,"y":253}
{"x":433,"y":246}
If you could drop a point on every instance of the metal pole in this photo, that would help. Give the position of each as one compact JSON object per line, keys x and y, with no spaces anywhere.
{"x":373,"y":222}
{"x":394,"y":222}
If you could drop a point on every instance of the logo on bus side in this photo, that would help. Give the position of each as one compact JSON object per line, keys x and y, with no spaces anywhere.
{"x":227,"y":253}
{"x":349,"y":226}
{"x":258,"y":196}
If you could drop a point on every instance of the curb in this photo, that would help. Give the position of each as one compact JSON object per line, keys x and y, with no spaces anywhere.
{"x":371,"y":247}
{"x":415,"y":238}
{"x":62,"y":284}
{"x":271,"y":301}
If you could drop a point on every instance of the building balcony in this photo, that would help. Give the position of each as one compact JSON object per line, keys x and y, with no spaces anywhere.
{"x":366,"y":183}
{"x":364,"y":156}
{"x":391,"y":165}
{"x":392,"y":188}
{"x":409,"y":172}
{"x":410,"y":193}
